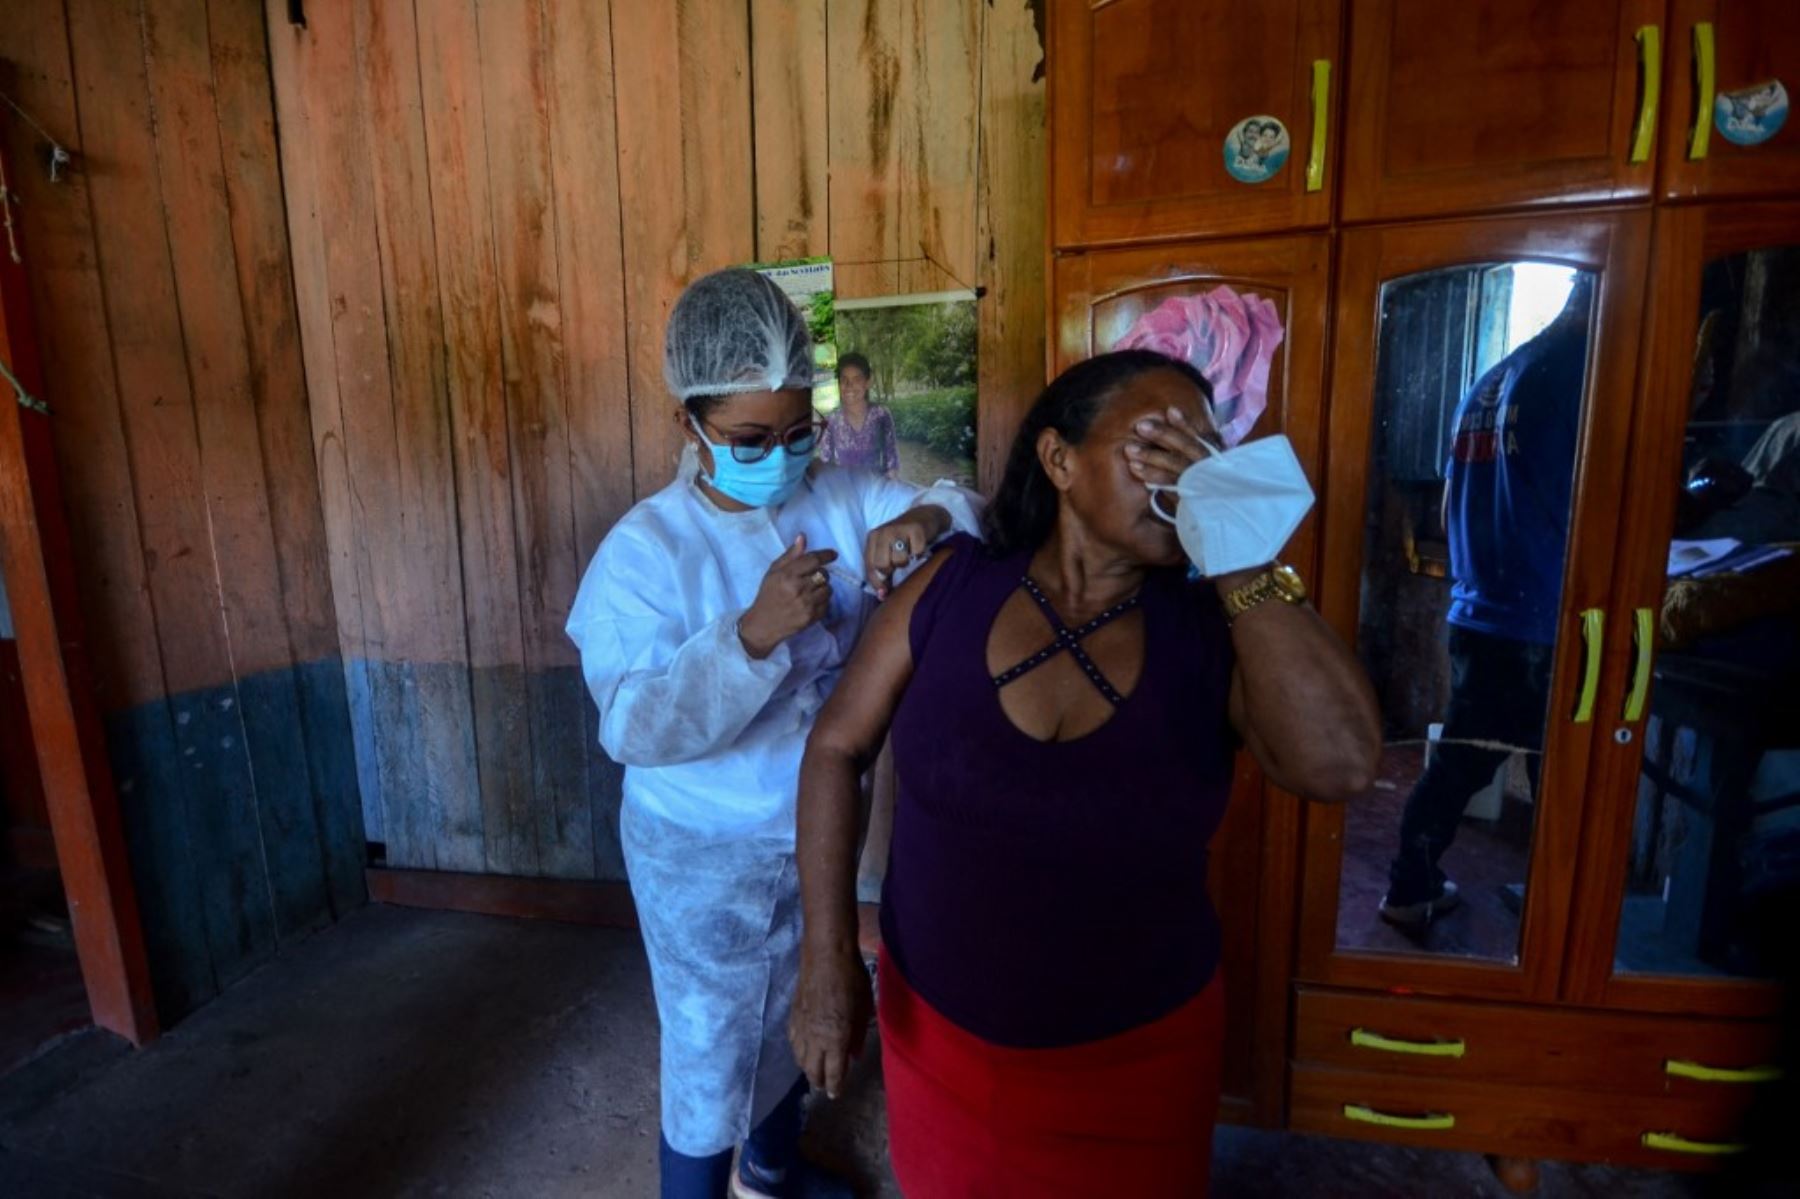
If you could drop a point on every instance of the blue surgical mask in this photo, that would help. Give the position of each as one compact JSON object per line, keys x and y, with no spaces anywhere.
{"x":764,"y":484}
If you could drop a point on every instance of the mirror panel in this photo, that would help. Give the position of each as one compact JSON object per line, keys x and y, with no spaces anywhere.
{"x":1481,"y":374}
{"x":1716,"y":833}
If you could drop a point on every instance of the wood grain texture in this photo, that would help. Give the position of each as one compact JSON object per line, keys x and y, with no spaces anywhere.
{"x":581,"y":164}
{"x":158,"y":408}
{"x":595,"y":379}
{"x":515,"y":79}
{"x":686,"y":186}
{"x":1492,"y":104}
{"x":904,"y":113}
{"x":1011,"y":201}
{"x":57,"y":726}
{"x":1139,"y":151}
{"x":790,"y":75}
{"x":57,"y":225}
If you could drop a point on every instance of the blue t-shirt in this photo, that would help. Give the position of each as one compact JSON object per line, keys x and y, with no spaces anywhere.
{"x":1511,"y":476}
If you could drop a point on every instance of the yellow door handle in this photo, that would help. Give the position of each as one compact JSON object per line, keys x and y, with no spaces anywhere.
{"x":1676,"y":1143}
{"x":1705,"y":86}
{"x":1431,"y":1122}
{"x":1593,"y":637}
{"x":1685,"y":1069}
{"x":1321,"y":101}
{"x":1643,"y":635}
{"x":1364,"y":1039}
{"x":1649,"y":40}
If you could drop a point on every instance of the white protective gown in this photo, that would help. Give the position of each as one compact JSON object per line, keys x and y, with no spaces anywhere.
{"x":711,"y":741}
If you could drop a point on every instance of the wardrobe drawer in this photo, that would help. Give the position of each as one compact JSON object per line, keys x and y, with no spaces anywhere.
{"x":1671,"y":1056}
{"x":1518,"y":1121}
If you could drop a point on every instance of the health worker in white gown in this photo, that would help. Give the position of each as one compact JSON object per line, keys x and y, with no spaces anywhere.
{"x":713,"y":623}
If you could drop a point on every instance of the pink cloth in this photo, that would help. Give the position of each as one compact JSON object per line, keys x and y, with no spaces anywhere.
{"x":1229,"y":338}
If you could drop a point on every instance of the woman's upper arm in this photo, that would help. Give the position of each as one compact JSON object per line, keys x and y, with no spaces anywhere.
{"x":855,"y":719}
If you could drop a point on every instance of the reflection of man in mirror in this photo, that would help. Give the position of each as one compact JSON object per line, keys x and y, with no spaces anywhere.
{"x":1507,"y":495}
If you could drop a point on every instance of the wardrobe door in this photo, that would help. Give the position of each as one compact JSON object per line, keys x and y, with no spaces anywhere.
{"x":1692,"y":854}
{"x":1480,"y":400}
{"x":1489,"y":104}
{"x":1175,"y":119}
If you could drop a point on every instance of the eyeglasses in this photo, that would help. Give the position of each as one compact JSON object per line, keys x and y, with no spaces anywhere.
{"x":796,"y":439}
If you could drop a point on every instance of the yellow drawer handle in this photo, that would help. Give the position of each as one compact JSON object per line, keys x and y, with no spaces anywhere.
{"x":1593,"y":635}
{"x":1684,"y":1069}
{"x":1430,"y":1123}
{"x":1704,"y":89}
{"x":1649,"y":39}
{"x":1643,"y":636}
{"x":1321,"y":98}
{"x":1364,"y":1039}
{"x":1675,"y":1143}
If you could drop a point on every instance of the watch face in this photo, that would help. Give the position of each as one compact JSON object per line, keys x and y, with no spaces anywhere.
{"x":1289,"y":583}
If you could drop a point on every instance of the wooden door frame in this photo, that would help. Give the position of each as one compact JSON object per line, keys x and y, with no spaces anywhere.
{"x":1686,"y":239}
{"x":37,"y":557}
{"x":1615,"y":244}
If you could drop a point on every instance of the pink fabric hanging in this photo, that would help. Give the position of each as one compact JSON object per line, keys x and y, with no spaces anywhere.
{"x":1229,"y":338}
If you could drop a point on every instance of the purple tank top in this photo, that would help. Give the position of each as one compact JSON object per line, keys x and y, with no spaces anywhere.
{"x":1049,"y":894}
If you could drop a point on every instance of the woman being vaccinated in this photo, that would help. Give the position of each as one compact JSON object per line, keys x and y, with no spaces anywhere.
{"x":713,"y":623}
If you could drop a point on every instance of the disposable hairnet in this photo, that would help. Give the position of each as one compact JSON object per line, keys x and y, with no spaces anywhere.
{"x":735,"y":331}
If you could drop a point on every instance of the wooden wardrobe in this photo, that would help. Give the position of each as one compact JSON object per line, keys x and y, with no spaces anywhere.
{"x":1457,"y":178}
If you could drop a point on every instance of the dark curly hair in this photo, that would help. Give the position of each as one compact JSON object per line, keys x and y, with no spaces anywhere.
{"x":1023,"y":511}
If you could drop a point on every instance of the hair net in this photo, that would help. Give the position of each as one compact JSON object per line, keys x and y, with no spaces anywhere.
{"x":735,"y":331}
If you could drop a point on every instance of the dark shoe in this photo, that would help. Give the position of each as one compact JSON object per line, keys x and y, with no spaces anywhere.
{"x":1418,"y":915}
{"x":803,"y":1181}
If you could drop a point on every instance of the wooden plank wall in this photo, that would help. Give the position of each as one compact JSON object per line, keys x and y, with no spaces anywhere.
{"x":160,"y":275}
{"x":493,"y":204}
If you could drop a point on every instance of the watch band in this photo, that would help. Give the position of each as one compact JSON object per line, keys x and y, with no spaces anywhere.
{"x":1264,"y":587}
{"x":1255,"y":593}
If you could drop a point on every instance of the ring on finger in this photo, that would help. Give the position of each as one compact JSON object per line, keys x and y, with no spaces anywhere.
{"x":820,"y":578}
{"x":902,"y":546}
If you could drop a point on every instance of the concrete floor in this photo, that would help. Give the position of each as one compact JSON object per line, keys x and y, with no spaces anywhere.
{"x":407,"y":1053}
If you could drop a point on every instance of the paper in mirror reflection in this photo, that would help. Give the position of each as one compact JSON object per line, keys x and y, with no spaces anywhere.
{"x":1480,"y":380}
{"x":1714,"y":856}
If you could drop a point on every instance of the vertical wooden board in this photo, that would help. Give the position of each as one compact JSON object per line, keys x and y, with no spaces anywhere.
{"x":521,"y":187}
{"x":585,"y":160}
{"x":940,"y":79}
{"x":242,"y":82}
{"x":266,"y":287}
{"x":157,"y":402}
{"x":301,"y":146}
{"x":300,"y":165}
{"x":268,"y":749}
{"x":789,"y":83}
{"x":455,"y":139}
{"x":419,"y":585}
{"x":864,"y":103}
{"x":1012,"y":204}
{"x":197,"y":231}
{"x":904,"y":102}
{"x":685,"y":186}
{"x":349,"y":379}
{"x":153,"y":804}
{"x":57,"y":231}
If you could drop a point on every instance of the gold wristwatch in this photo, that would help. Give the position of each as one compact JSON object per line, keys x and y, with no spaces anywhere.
{"x":1278,"y":582}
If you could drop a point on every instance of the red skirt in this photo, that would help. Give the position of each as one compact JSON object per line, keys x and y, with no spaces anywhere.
{"x":1131,"y":1115}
